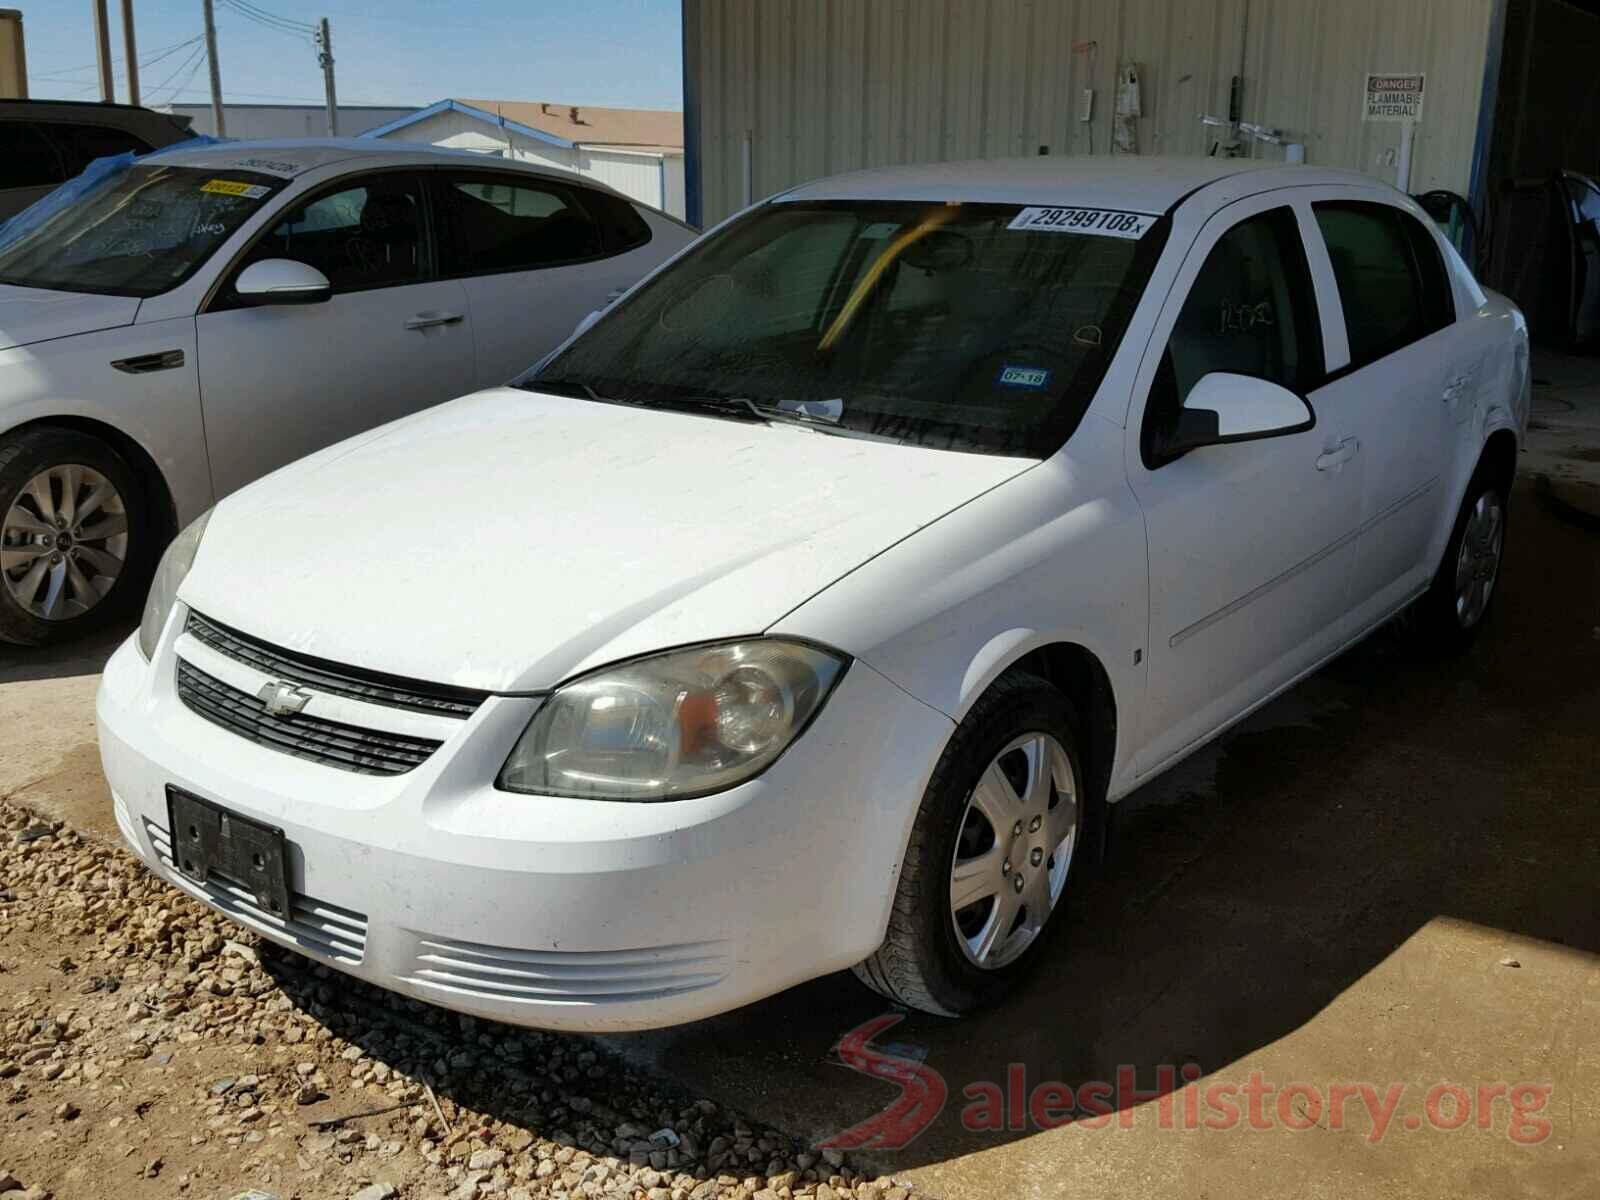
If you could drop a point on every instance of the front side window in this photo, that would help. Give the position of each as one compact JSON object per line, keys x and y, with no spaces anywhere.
{"x":930,"y":323}
{"x":499,"y":223}
{"x":29,"y":159}
{"x":82,"y":144}
{"x":365,"y":236}
{"x":136,"y":232}
{"x":1250,"y":311}
{"x":1392,"y":284}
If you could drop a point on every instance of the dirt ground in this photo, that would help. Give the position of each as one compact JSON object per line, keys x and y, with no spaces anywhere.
{"x":1387,"y":879}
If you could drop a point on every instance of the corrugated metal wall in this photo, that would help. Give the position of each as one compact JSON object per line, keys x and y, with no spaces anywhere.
{"x":822,"y":86}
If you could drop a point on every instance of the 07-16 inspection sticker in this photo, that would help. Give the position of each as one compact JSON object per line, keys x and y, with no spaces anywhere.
{"x":233,"y":187}
{"x":1100,"y":222}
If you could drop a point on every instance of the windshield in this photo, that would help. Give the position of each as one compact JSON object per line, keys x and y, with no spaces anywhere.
{"x":140,"y":232}
{"x":973,"y":327}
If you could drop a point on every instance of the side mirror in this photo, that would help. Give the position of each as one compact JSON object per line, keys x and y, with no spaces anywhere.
{"x":1224,"y":408}
{"x":282,"y":281}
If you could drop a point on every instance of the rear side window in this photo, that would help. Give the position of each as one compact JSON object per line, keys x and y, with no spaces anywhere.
{"x":28,"y":159}
{"x":80,"y":144}
{"x":499,"y":223}
{"x":1393,"y":287}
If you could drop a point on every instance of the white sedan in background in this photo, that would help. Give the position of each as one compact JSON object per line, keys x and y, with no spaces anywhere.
{"x":209,"y":314}
{"x":808,"y":609}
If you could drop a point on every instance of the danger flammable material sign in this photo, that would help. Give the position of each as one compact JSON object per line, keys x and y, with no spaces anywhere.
{"x":1393,"y":98}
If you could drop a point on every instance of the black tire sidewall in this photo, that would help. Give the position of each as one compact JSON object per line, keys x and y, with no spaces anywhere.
{"x":1440,"y":627}
{"x":22,"y":457}
{"x":1032,"y":705}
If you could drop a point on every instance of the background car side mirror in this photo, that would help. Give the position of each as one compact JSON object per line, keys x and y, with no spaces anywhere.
{"x":282,"y":281}
{"x":1224,"y":407}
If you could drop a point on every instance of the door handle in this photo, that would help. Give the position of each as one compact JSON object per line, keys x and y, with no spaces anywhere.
{"x":1338,"y":454}
{"x":429,"y":320}
{"x":143,"y":364}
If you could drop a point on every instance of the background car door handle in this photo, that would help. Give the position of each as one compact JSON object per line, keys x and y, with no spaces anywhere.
{"x":1336,"y":455}
{"x":429,"y":320}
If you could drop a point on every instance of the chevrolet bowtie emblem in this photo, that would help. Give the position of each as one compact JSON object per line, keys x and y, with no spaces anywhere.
{"x":282,"y":699}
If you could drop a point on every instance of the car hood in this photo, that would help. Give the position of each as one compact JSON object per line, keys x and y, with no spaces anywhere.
{"x":37,"y":314}
{"x":510,"y":539}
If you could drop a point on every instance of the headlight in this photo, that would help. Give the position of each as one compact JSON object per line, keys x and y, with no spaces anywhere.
{"x":674,"y":725}
{"x":174,"y":568}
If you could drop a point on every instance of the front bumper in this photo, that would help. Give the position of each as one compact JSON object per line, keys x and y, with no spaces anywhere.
{"x":542,"y":911}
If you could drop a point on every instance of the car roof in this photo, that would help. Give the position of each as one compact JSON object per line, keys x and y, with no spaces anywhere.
{"x":1138,"y":183}
{"x":290,"y":157}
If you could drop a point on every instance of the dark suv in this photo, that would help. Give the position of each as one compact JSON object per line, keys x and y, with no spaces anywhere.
{"x":43,"y":143}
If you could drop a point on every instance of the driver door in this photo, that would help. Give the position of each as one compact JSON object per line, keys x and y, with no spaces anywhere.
{"x":1251,"y":544}
{"x":278,"y":382}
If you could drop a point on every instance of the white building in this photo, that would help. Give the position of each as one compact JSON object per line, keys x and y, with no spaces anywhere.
{"x":288,"y":120}
{"x":639,"y":152}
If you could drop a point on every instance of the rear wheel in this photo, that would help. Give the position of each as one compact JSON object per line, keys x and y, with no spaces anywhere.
{"x":73,"y":539}
{"x":1453,"y":609}
{"x":991,"y":854}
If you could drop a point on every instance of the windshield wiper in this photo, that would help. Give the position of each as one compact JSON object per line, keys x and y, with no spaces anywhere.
{"x":820,"y":415}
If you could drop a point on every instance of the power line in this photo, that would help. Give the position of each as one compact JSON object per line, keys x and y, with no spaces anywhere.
{"x":269,"y":20}
{"x":192,"y":59}
{"x":155,"y":56}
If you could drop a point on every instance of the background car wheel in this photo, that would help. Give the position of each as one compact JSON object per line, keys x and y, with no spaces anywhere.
{"x":74,"y":550}
{"x":999,"y":831}
{"x":1449,"y":615}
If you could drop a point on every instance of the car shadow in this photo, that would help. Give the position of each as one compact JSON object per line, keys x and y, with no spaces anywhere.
{"x":1241,"y":893}
{"x":81,"y":656}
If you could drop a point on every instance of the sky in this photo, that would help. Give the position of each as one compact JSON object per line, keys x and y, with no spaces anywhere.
{"x":625,"y":53}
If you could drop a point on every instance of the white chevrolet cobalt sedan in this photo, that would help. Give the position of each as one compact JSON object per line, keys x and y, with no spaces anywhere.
{"x":808,"y":609}
{"x":200,"y":317}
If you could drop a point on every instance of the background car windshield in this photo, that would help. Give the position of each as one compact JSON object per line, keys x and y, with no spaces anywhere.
{"x":934,"y":324}
{"x":142,"y":232}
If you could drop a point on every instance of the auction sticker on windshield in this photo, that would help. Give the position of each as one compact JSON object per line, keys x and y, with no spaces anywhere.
{"x":233,"y":187}
{"x":1101,"y":222}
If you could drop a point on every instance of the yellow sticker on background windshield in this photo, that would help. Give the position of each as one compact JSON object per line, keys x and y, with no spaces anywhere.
{"x":233,"y":187}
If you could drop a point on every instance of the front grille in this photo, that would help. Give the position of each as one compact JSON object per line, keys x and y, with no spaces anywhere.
{"x":348,"y":747}
{"x":566,"y":976}
{"x":314,"y":927}
{"x":333,"y":679}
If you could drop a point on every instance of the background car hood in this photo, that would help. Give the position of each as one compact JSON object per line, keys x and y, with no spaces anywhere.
{"x":36,"y":314}
{"x":510,"y":539}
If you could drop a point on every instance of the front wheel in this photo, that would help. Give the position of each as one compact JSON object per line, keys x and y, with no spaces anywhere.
{"x":1449,"y":615}
{"x":991,"y":854}
{"x":72,"y":536}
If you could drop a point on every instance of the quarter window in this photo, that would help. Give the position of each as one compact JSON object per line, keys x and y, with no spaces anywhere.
{"x":360,"y":237}
{"x":1393,"y":287}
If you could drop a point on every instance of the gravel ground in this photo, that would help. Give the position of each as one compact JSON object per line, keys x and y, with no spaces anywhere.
{"x":149,"y":1048}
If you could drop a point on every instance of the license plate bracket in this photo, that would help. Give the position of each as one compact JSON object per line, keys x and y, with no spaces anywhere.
{"x":208,"y":840}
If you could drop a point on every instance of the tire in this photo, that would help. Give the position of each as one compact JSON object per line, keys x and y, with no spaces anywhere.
{"x":930,"y":958}
{"x":1448,"y":617}
{"x":90,"y":506}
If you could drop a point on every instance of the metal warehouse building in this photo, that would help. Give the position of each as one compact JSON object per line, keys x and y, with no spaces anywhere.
{"x":782,"y":91}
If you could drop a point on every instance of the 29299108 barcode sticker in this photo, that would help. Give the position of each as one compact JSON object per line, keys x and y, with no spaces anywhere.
{"x":1099,"y":222}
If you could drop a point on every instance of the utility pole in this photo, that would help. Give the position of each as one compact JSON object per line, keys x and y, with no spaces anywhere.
{"x":325,"y":57}
{"x":102,"y":50}
{"x":130,"y":51}
{"x":216,"y":71}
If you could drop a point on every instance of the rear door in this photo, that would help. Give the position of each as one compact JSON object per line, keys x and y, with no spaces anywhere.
{"x":1404,"y":374}
{"x":535,"y":257}
{"x":278,"y":382}
{"x":1250,"y":544}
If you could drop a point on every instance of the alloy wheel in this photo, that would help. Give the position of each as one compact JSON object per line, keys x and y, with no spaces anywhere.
{"x":63,"y":542}
{"x":1478,"y":562}
{"x":1013,"y":851}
